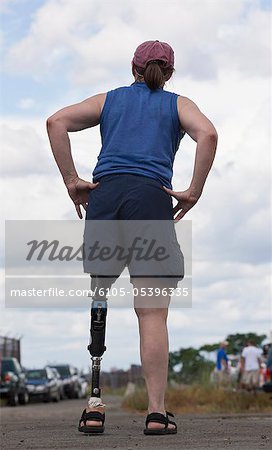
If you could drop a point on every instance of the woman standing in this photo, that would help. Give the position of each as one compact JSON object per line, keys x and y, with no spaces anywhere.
{"x":141,"y":128}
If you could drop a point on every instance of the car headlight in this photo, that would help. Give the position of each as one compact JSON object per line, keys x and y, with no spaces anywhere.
{"x":40,"y":388}
{"x":30,"y":387}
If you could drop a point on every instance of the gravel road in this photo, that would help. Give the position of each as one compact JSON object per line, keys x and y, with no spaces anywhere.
{"x":54,"y":426}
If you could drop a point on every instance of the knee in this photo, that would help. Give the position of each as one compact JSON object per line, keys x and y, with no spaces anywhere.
{"x":143,"y":313}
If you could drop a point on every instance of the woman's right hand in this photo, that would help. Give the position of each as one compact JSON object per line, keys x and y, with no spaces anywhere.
{"x":186,"y":200}
{"x":78,"y":190}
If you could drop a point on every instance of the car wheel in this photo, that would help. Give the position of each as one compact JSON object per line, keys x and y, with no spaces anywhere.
{"x":47,"y":397}
{"x":14,"y":399}
{"x":24,"y":398}
{"x":76,"y":393}
{"x":71,"y":393}
{"x":62,"y":396}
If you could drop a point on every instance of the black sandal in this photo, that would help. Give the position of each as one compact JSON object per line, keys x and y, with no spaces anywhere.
{"x":92,"y":415}
{"x":160,"y":418}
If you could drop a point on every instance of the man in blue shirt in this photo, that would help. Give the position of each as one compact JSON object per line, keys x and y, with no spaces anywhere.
{"x":222,"y":363}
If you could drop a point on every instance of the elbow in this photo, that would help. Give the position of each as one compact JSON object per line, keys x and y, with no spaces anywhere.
{"x":215,"y":136}
{"x":212,"y":135}
{"x":50,"y":122}
{"x":209,"y":136}
{"x":53,"y":121}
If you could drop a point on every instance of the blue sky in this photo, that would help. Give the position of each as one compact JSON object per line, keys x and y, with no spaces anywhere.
{"x":56,"y":53}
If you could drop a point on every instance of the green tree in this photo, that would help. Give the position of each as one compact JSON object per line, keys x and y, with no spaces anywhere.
{"x":210,"y":347}
{"x":238,"y":341}
{"x":187,"y":365}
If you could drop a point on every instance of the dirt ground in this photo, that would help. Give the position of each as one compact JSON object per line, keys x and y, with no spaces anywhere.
{"x":54,"y":426}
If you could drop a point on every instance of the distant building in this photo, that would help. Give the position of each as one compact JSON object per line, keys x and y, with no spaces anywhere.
{"x":10,"y":347}
{"x":117,"y":378}
{"x":135,"y":374}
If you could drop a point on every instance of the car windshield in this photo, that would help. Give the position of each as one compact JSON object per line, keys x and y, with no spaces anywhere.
{"x":36,"y":374}
{"x":7,"y":365}
{"x":63,"y":371}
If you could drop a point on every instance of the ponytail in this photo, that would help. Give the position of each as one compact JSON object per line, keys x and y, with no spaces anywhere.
{"x":153,"y":75}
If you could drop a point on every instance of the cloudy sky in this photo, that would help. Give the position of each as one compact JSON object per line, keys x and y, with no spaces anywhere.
{"x":58,"y":52}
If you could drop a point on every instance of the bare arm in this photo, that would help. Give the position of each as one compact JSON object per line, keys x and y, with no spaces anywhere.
{"x":73,"y":118}
{"x":202,"y":131}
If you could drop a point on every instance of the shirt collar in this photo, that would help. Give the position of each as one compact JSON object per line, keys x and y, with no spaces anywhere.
{"x":140,"y":84}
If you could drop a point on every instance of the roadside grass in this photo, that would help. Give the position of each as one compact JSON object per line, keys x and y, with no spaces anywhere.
{"x":204,"y":399}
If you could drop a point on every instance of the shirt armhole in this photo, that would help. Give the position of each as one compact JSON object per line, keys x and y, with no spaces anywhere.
{"x":183,"y":132}
{"x":103,"y":112}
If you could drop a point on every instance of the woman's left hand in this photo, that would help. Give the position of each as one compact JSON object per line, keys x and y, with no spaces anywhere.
{"x":186,"y":200}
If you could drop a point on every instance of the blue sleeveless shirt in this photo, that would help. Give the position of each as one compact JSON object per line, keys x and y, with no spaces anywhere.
{"x":140,"y":133}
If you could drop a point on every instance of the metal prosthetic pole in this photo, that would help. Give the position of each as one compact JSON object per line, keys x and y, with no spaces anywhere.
{"x":96,"y":346}
{"x":97,"y":341}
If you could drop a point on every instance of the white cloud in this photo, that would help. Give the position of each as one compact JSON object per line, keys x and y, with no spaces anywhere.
{"x":221,"y":64}
{"x":206,"y":36}
{"x":24,"y":151}
{"x":26,"y":148}
{"x":241,"y":44}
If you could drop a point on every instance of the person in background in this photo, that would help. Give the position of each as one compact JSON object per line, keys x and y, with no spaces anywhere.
{"x":250,"y":366}
{"x":269,"y":364}
{"x":222,"y":367}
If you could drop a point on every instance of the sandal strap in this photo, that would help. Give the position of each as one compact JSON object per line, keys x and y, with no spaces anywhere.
{"x":96,"y":416}
{"x":171,"y":421}
{"x":157,"y":417}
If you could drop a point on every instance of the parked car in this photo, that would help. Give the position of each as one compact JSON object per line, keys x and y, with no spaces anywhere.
{"x":13,"y":383}
{"x":71,"y":381}
{"x":59,"y":382}
{"x":83,"y":386}
{"x":42,"y":383}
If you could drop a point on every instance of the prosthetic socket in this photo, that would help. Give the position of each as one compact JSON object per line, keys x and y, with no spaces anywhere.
{"x":96,"y":346}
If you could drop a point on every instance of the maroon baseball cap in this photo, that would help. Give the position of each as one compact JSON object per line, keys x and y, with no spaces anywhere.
{"x":153,"y":50}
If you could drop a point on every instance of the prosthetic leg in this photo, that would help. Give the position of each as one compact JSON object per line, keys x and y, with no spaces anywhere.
{"x":96,"y":346}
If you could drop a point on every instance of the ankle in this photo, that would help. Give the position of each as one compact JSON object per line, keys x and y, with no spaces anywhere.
{"x":157,"y":410}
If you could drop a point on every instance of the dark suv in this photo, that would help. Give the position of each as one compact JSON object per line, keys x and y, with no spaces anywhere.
{"x":71,"y":381}
{"x":13,"y":385}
